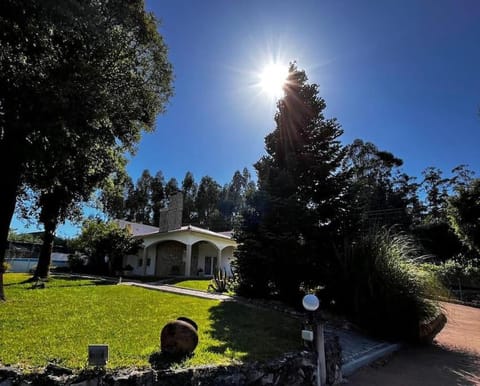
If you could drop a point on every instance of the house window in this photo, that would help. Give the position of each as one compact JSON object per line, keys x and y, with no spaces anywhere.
{"x":140,"y":262}
{"x":148,"y":261}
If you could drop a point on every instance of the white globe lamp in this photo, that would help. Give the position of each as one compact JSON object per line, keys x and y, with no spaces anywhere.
{"x":310,"y":302}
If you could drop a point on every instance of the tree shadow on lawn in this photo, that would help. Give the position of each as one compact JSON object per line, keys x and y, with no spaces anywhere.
{"x":91,"y":281}
{"x":249,"y":333}
{"x":87,"y":282}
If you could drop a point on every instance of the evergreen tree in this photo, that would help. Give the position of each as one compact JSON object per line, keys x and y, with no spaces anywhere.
{"x":290,"y":225}
{"x":189,"y":190}
{"x":130,"y":201}
{"x":143,"y":214}
{"x":171,"y":187}
{"x":157,"y":198}
{"x":207,"y":201}
{"x":436,"y":191}
{"x":377,"y":192}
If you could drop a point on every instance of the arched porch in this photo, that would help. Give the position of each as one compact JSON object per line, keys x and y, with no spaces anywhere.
{"x":189,"y":251}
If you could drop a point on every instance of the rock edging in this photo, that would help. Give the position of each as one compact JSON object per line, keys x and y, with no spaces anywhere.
{"x":296,"y":369}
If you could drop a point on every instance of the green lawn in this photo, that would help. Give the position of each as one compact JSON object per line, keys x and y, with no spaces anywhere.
{"x":201,"y":285}
{"x":57,"y":324}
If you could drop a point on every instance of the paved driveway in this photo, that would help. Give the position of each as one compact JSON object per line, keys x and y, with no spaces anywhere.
{"x":453,"y":360}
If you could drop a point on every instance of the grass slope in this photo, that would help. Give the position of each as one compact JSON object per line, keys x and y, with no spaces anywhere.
{"x":57,"y":324}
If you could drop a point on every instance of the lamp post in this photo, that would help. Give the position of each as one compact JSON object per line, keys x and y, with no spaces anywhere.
{"x":311,"y":303}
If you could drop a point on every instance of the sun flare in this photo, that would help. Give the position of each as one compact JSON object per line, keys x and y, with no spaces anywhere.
{"x":272,"y":79}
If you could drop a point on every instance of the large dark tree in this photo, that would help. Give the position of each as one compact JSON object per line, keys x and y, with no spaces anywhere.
{"x":291,"y":223}
{"x":207,"y":201}
{"x":78,"y":72}
{"x":232,"y":198}
{"x":464,"y":214}
{"x":157,"y":197}
{"x":143,"y":196}
{"x":60,"y":187}
{"x":436,"y":192}
{"x":189,"y":190}
{"x":171,"y":187}
{"x":377,"y":194}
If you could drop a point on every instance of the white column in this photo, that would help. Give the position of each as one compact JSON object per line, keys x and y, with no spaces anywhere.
{"x":188,"y":260}
{"x":144,"y":260}
{"x":219,"y":258}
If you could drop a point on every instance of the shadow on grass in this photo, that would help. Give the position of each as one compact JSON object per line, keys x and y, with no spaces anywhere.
{"x":43,"y":283}
{"x":248,"y":333}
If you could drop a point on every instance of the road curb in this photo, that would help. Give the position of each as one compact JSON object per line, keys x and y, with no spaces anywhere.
{"x":371,"y":356}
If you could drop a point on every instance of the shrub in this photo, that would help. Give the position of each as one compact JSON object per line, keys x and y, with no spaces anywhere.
{"x":384,"y":289}
{"x":6,"y":266}
{"x":76,"y":262}
{"x":221,"y":282}
{"x":438,"y":239}
{"x":456,"y":273}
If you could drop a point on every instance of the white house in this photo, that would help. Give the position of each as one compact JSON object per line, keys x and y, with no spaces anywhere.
{"x":186,"y":251}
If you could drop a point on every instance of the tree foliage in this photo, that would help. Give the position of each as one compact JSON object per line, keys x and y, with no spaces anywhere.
{"x":189,"y":190}
{"x":74,"y":76}
{"x":205,"y":204}
{"x":293,"y":215}
{"x":377,"y":193}
{"x":105,"y":244}
{"x":464,"y":214}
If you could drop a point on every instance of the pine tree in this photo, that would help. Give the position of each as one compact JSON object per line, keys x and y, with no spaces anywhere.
{"x":291,"y":220}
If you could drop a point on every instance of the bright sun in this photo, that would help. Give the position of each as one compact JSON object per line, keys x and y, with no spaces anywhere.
{"x":272,"y":79}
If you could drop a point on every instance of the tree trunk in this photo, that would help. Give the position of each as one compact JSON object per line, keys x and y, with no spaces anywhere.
{"x":44,"y":260}
{"x":2,"y":291}
{"x":49,"y":217}
{"x":8,"y":198}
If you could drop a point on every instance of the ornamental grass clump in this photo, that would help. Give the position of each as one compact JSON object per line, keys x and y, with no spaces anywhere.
{"x":384,"y":288}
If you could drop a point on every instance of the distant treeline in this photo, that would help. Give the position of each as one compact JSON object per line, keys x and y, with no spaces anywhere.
{"x":206,"y":204}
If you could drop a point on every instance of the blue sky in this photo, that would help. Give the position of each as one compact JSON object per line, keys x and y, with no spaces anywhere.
{"x":404,"y":75}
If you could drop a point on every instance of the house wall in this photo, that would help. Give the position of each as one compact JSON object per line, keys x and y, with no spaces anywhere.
{"x":27,"y":264}
{"x":227,"y":258}
{"x":133,"y":261}
{"x":149,"y":259}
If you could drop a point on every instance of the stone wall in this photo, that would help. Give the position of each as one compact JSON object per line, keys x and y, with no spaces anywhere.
{"x":296,"y":369}
{"x":170,"y":258}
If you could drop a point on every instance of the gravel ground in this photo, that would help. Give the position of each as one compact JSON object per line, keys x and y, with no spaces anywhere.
{"x":453,"y":359}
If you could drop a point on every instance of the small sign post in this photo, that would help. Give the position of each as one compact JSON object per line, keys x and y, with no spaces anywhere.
{"x":311,"y":304}
{"x":97,"y":355}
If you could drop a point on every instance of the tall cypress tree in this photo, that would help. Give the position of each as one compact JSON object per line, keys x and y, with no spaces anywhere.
{"x":290,"y":223}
